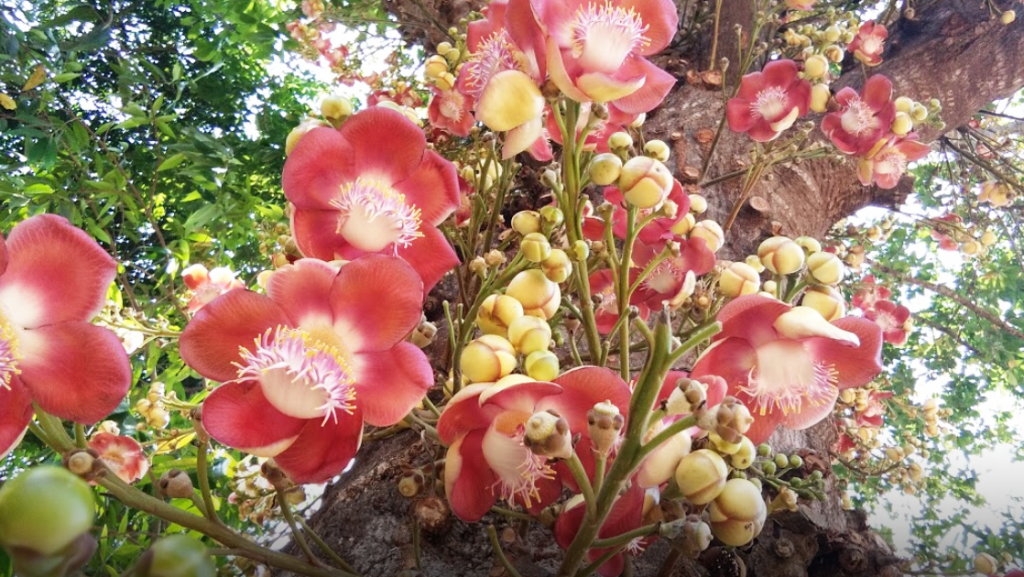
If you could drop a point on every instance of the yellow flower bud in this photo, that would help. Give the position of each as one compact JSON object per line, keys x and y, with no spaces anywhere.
{"x":529,"y":334}
{"x":826,"y":300}
{"x":754,"y":263}
{"x":685,"y":224}
{"x":701,"y":476}
{"x":510,"y":100}
{"x":711,"y":232}
{"x":496,"y":313}
{"x":552,"y":215}
{"x":781,"y":255}
{"x":739,"y":279}
{"x":918,"y":112}
{"x":580,"y":250}
{"x":657,"y":149}
{"x":540,"y":297}
{"x":557,"y":267}
{"x":816,"y":66}
{"x":808,"y":243}
{"x":698,"y":204}
{"x":298,"y":132}
{"x":541,"y":365}
{"x":488,"y":359}
{"x":620,"y":141}
{"x":444,"y":47}
{"x":826,"y":268}
{"x":820,"y":95}
{"x":989,"y":238}
{"x":970,"y":247}
{"x":526,"y":222}
{"x":605,"y":168}
{"x":535,"y":247}
{"x":743,"y":458}
{"x":604,"y":423}
{"x":831,"y":34}
{"x":336,"y":108}
{"x":985,"y":564}
{"x":446,"y":81}
{"x":902,"y":124}
{"x":770,"y":288}
{"x":661,"y":464}
{"x":1008,"y":17}
{"x":645,"y":182}
{"x":834,"y":53}
{"x":435,"y":67}
{"x":737,"y":515}
{"x":904,"y":104}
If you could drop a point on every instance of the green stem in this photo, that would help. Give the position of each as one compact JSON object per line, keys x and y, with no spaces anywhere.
{"x":580,"y":475}
{"x":622,"y":290}
{"x":666,"y":434}
{"x":593,"y":567}
{"x":625,"y":538}
{"x":698,"y":336}
{"x":203,"y":474}
{"x":492,"y":534}
{"x":324,"y":546}
{"x":289,"y":517}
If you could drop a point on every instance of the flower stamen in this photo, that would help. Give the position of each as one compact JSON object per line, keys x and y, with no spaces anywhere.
{"x":9,"y":355}
{"x":603,"y":35}
{"x":373,"y":216}
{"x":784,"y":378}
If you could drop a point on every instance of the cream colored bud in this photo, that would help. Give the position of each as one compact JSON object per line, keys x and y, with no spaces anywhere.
{"x":488,"y":359}
{"x":552,"y":215}
{"x":645,"y":182}
{"x":478,"y":265}
{"x":496,"y":313}
{"x":535,"y":247}
{"x":904,"y":104}
{"x":804,"y":322}
{"x":701,"y":476}
{"x":816,"y":67}
{"x":605,"y":169}
{"x":902,"y":124}
{"x":539,"y":296}
{"x":834,"y":53}
{"x":529,"y":334}
{"x":557,"y":266}
{"x":826,"y":268}
{"x":580,"y":250}
{"x":548,"y":435}
{"x":781,"y":255}
{"x":620,"y":141}
{"x":638,"y":122}
{"x":662,"y":462}
{"x":444,"y":47}
{"x":832,"y":34}
{"x":737,"y":515}
{"x":919,"y":113}
{"x":754,"y":263}
{"x":744,"y":457}
{"x":970,"y":247}
{"x":771,"y":287}
{"x":808,"y":243}
{"x":988,"y":238}
{"x":435,"y":67}
{"x":820,"y":95}
{"x":689,"y":396}
{"x":698,"y":204}
{"x":541,"y":365}
{"x":985,"y":563}
{"x":739,"y":279}
{"x":510,"y":99}
{"x":1008,"y":17}
{"x":657,"y":149}
{"x":336,"y":108}
{"x":526,"y":222}
{"x":711,"y":232}
{"x":685,"y":225}
{"x":298,"y":132}
{"x":826,"y":300}
{"x":605,"y":421}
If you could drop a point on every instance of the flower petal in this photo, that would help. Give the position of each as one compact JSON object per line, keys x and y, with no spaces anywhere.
{"x":877,"y":92}
{"x":315,"y":170}
{"x":519,"y":396}
{"x":468,"y":478}
{"x":737,"y":112}
{"x":211,"y":341}
{"x":431,"y":256}
{"x":764,"y":425}
{"x":15,"y":414}
{"x":463,"y":413}
{"x":377,"y":300}
{"x":316,"y":233}
{"x":54,"y":273}
{"x":433,"y":188}
{"x":662,"y":21}
{"x":397,"y":144}
{"x":584,"y":387}
{"x":750,"y":317}
{"x":390,"y":383}
{"x":75,"y":370}
{"x":3,"y":254}
{"x":601,"y":87}
{"x":730,"y":359}
{"x":656,"y":87}
{"x":855,"y":366}
{"x":238,"y":415}
{"x":322,"y":450}
{"x":810,"y":413}
{"x":302,"y":290}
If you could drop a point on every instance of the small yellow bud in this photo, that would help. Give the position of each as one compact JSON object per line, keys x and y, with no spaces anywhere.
{"x":918,"y":112}
{"x":580,"y":250}
{"x":711,"y":232}
{"x":604,"y":423}
{"x":989,"y":238}
{"x":698,"y":204}
{"x":529,"y":334}
{"x":737,"y":515}
{"x":541,"y":365}
{"x":826,"y":268}
{"x":496,"y":313}
{"x":488,"y":359}
{"x":820,"y":95}
{"x":620,"y":141}
{"x":526,"y":222}
{"x":770,"y":287}
{"x":701,"y":476}
{"x":645,"y":182}
{"x":902,"y":124}
{"x":685,"y":224}
{"x":781,"y":255}
{"x":535,"y":247}
{"x":743,"y":458}
{"x":970,"y":247}
{"x":657,"y":149}
{"x":336,"y":108}
{"x":605,"y":168}
{"x":435,"y":67}
{"x":446,"y":81}
{"x":816,"y":67}
{"x":1008,"y":17}
{"x":834,"y":53}
{"x":444,"y":47}
{"x":826,"y":300}
{"x":983,"y":562}
{"x":832,"y":34}
{"x":557,"y":267}
{"x":552,"y":215}
{"x":754,"y":263}
{"x":298,"y":132}
{"x":739,"y":279}
{"x":904,"y":104}
{"x":539,"y":296}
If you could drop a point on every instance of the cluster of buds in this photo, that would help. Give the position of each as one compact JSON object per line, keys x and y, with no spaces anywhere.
{"x":987,"y":564}
{"x":441,"y":68}
{"x":931,"y":412}
{"x":513,"y":331}
{"x":153,"y":407}
{"x":121,"y":320}
{"x":998,"y":194}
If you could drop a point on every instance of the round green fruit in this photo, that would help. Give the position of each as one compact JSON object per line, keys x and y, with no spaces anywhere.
{"x":180,"y":556}
{"x":44,"y":509}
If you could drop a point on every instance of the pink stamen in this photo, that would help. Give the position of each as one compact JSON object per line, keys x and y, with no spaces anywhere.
{"x":604,"y":23}
{"x":770,"y":103}
{"x":496,"y":54}
{"x":369,"y":200}
{"x":533,"y":469}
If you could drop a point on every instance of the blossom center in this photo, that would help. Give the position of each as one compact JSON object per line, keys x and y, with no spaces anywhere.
{"x":9,"y":356}
{"x":451,"y":105}
{"x":603,"y":36}
{"x":304,"y":374}
{"x":785,"y":376}
{"x":495,"y":54}
{"x":374,"y":216}
{"x":770,"y":103}
{"x":871,"y":44}
{"x":519,"y":469}
{"x":891,"y":162}
{"x":664,"y":279}
{"x":858,"y":118}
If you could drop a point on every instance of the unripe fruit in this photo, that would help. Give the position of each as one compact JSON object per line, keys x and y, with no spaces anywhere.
{"x":496,"y":313}
{"x":535,"y":247}
{"x":711,"y":232}
{"x":645,"y":182}
{"x":529,"y":334}
{"x":701,"y":476}
{"x":815,"y":67}
{"x":557,"y":266}
{"x":620,"y":141}
{"x":179,"y":556}
{"x":820,"y":95}
{"x":739,"y":279}
{"x":902,"y":124}
{"x":487,"y":359}
{"x":657,"y":149}
{"x":781,"y":255}
{"x":605,"y":169}
{"x":526,"y":222}
{"x":826,"y":268}
{"x":44,"y":509}
{"x":539,"y":296}
{"x":737,"y":515}
{"x":541,"y":365}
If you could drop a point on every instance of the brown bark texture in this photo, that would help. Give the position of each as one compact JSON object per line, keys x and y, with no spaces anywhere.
{"x":952,"y":50}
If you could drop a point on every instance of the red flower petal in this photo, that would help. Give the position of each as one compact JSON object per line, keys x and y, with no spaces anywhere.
{"x":764,"y":425}
{"x":655,"y":88}
{"x":521,"y":397}
{"x":810,"y":413}
{"x":387,"y":146}
{"x":750,"y":317}
{"x":122,"y":455}
{"x":737,"y":112}
{"x":390,"y":383}
{"x":239,"y":416}
{"x":315,"y":233}
{"x":730,"y":359}
{"x":54,"y":273}
{"x":468,"y":478}
{"x":211,"y":341}
{"x":780,"y":73}
{"x":463,"y":413}
{"x":303,"y":291}
{"x":315,"y":170}
{"x":75,"y":370}
{"x":584,"y":387}
{"x":322,"y":450}
{"x":3,"y":254}
{"x":431,"y":256}
{"x":856,"y":366}
{"x":662,"y":21}
{"x":15,"y":414}
{"x":377,"y":301}
{"x":877,"y":92}
{"x":433,"y":188}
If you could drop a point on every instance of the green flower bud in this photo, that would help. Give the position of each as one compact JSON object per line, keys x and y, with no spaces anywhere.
{"x":179,"y":556}
{"x":44,"y":509}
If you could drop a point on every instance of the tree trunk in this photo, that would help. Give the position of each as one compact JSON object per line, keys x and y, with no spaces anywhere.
{"x":951,"y":50}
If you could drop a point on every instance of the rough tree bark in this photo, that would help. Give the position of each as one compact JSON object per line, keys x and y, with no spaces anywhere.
{"x":951,"y":50}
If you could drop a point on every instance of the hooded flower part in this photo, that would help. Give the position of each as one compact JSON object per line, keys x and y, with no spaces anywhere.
{"x":122,"y":455}
{"x":769,"y":101}
{"x":484,"y":425}
{"x":787,"y":364}
{"x":596,"y":50}
{"x":863,"y":119}
{"x":53,"y":281}
{"x":372,"y":187}
{"x":306,"y":364}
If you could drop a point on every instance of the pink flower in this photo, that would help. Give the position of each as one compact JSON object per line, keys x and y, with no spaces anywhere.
{"x":122,"y":455}
{"x":863,"y":119}
{"x":944,"y":234}
{"x":625,"y":516}
{"x":450,"y":110}
{"x":596,"y":50}
{"x":887,"y":162}
{"x":667,"y":278}
{"x":306,"y":364}
{"x":892,"y":318}
{"x":53,"y":281}
{"x":868,"y":44}
{"x":372,"y":187}
{"x":787,"y":364}
{"x":869,"y":294}
{"x":659,"y":229}
{"x":483,"y":426}
{"x":208,"y":285}
{"x":769,"y":101}
{"x":606,"y":312}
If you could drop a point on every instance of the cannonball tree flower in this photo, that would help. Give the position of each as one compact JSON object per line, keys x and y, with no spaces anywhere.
{"x":870,"y":293}
{"x":207,"y":285}
{"x":606,"y":312}
{"x":626,"y":515}
{"x":372,"y":187}
{"x":484,"y":424}
{"x":868,"y":44}
{"x":863,"y":119}
{"x":304,"y":365}
{"x":893,"y":319}
{"x":450,"y":110}
{"x":787,"y":364}
{"x":770,"y":101}
{"x":53,"y":281}
{"x":122,"y":455}
{"x":887,"y":162}
{"x":596,"y":51}
{"x":666,"y":278}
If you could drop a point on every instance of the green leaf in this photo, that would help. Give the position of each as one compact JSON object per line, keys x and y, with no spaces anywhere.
{"x":66,"y":77}
{"x":202,"y":217}
{"x":171,"y":162}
